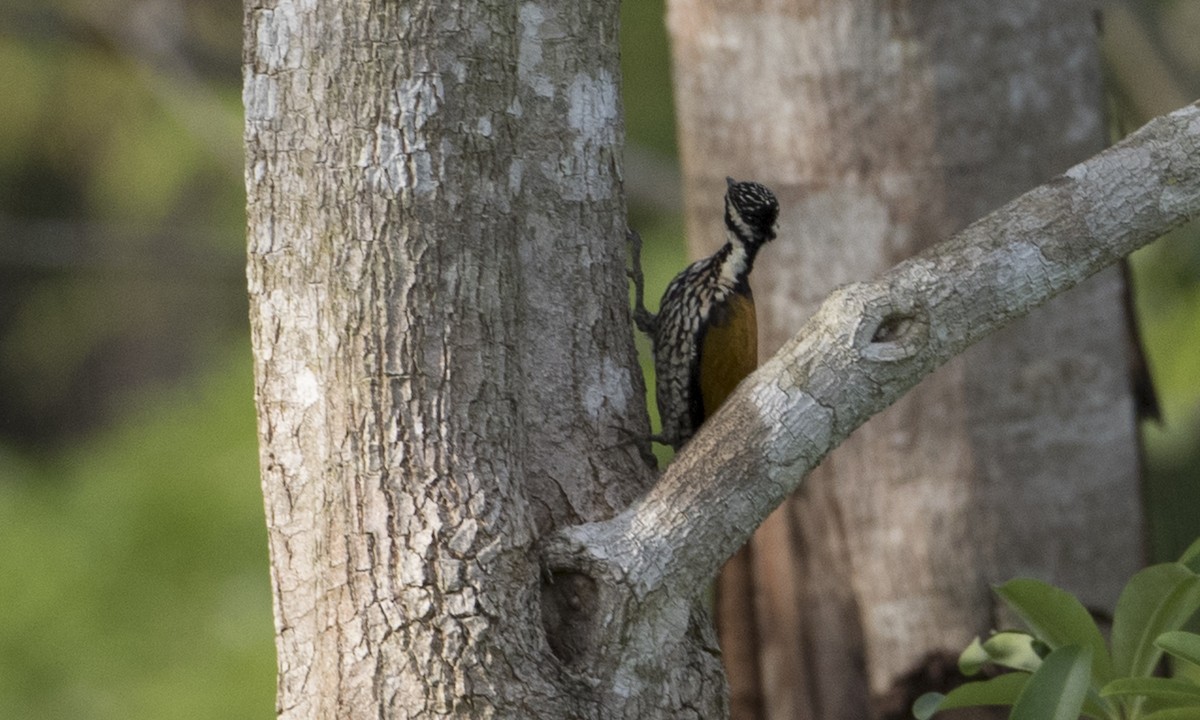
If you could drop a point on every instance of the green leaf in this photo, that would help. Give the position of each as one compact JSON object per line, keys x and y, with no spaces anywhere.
{"x":1165,"y":692}
{"x":1000,"y":690}
{"x":972,"y":659}
{"x":1058,"y":688}
{"x":1012,"y":649}
{"x":1097,"y":707}
{"x":925,"y":706}
{"x":1191,"y":557}
{"x":1057,"y":618}
{"x":1183,"y":645}
{"x":1158,"y":599}
{"x":1186,"y":713}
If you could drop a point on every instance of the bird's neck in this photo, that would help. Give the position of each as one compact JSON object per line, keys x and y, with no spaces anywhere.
{"x":736,"y":259}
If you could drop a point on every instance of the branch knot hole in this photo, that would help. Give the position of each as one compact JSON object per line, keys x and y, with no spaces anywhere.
{"x":570,"y":600}
{"x":892,"y":330}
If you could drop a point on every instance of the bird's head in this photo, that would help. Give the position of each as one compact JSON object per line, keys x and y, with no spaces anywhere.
{"x":750,"y":211}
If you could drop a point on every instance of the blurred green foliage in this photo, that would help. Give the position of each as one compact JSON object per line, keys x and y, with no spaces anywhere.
{"x":1167,"y":284}
{"x":133,"y":568}
{"x":645,"y":78}
{"x":121,"y":213}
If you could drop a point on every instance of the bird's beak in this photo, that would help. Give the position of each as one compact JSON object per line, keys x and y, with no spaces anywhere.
{"x":729,"y":181}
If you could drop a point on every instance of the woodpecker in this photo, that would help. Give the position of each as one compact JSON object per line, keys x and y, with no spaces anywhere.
{"x":705,"y":336}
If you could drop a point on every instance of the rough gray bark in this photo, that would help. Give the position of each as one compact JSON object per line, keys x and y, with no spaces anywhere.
{"x":443,"y":353}
{"x":884,"y":127}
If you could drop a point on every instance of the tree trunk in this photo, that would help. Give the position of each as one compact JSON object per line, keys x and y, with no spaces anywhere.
{"x":883,"y":128}
{"x":443,"y":352}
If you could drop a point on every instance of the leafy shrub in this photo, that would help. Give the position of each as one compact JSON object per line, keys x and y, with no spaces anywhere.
{"x":1063,"y":668}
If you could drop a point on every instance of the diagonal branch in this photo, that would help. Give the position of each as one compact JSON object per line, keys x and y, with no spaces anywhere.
{"x":869,"y":344}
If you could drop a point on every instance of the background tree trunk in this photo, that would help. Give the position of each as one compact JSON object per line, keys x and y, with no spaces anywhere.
{"x":443,"y":350}
{"x":884,"y":127}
